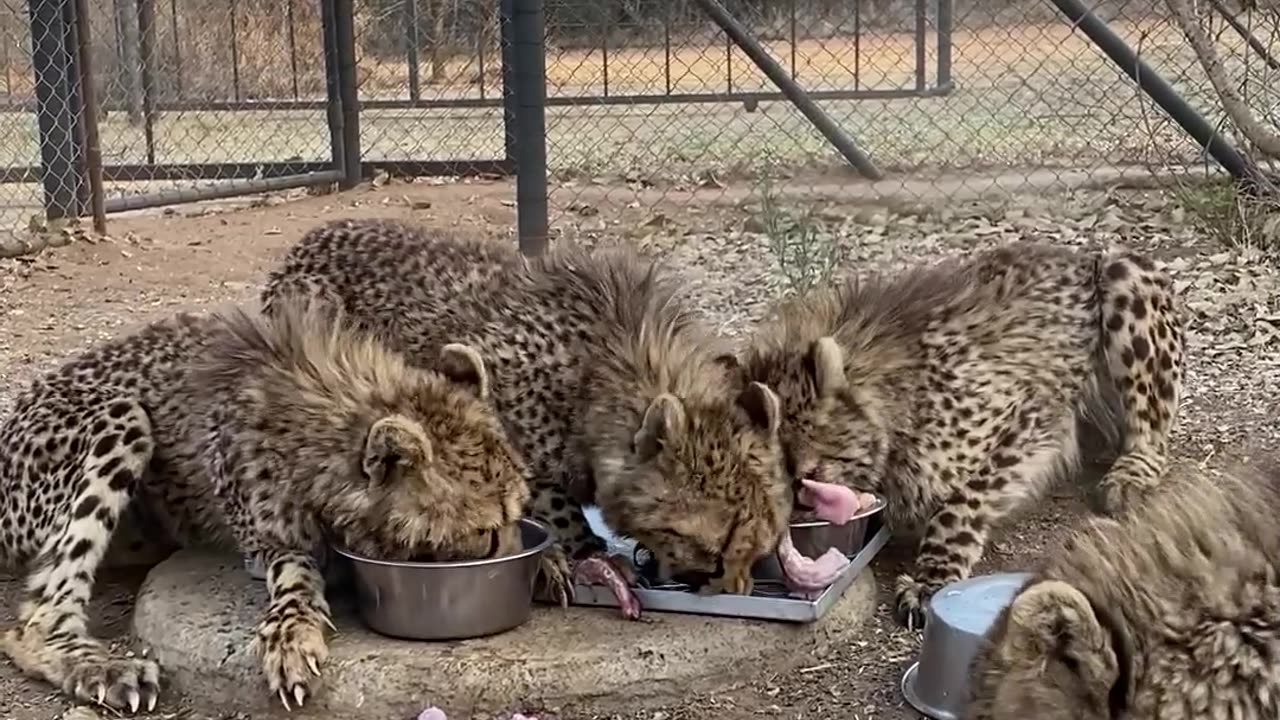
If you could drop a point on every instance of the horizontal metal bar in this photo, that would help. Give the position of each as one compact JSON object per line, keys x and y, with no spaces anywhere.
{"x":440,"y":168}
{"x":221,"y":191}
{"x":141,"y":172}
{"x":266,"y":171}
{"x":552,"y":101}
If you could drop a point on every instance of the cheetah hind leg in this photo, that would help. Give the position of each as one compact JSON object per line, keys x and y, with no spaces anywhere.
{"x":52,"y":639}
{"x":1143,"y":354}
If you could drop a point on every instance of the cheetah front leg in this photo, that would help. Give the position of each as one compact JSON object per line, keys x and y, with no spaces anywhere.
{"x":580,"y":555}
{"x":956,"y":534}
{"x":953,"y":542}
{"x":52,"y":640}
{"x":290,"y":640}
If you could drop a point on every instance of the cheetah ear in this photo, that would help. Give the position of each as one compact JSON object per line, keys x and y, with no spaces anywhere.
{"x":1051,"y":618}
{"x":463,"y":364}
{"x":828,"y":366}
{"x":394,"y":440}
{"x":663,"y":422}
{"x":762,"y":406}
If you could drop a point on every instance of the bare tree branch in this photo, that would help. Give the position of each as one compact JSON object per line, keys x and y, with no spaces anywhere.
{"x":1265,"y":139}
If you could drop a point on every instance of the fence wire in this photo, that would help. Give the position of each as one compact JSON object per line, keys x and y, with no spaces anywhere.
{"x":964,"y":96}
{"x":648,"y":100}
{"x":430,"y":78}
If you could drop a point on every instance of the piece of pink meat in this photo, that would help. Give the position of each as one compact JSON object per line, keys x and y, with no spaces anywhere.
{"x":435,"y":713}
{"x":600,"y":570}
{"x":803,"y":574}
{"x":835,"y":504}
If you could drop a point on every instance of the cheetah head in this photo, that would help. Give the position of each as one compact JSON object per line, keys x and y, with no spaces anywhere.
{"x":702,"y":488}
{"x":832,"y":430}
{"x":440,"y":479}
{"x":1051,"y":654}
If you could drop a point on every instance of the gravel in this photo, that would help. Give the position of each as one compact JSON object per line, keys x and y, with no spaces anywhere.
{"x":67,"y":297}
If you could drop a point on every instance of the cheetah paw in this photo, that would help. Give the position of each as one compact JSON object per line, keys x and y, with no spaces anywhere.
{"x":1117,"y":497}
{"x":117,"y":683}
{"x":291,"y":646}
{"x":557,"y":580}
{"x":910,"y":596}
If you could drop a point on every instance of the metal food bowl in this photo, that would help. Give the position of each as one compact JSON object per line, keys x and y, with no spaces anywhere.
{"x":813,"y":538}
{"x":450,"y":600}
{"x":956,"y":619}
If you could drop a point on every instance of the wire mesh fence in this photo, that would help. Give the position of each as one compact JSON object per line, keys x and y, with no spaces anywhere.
{"x":647,"y":100}
{"x":190,"y":93}
{"x":970,"y":94}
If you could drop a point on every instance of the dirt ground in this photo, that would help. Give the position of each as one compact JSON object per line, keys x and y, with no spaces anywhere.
{"x":190,"y":258}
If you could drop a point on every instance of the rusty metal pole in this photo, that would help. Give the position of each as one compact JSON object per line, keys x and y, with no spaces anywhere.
{"x":89,"y":116}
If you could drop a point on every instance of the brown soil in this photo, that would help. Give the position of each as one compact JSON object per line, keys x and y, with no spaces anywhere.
{"x":158,"y":263}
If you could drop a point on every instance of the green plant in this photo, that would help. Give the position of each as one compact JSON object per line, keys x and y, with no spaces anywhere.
{"x":1234,"y":218}
{"x":806,"y":251}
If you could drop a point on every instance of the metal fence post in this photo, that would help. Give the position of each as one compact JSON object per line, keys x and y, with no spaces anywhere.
{"x":89,"y":117}
{"x":528,"y":54}
{"x":791,"y":89}
{"x":507,"y":38}
{"x":944,"y":43}
{"x":343,"y":102}
{"x":411,"y":41}
{"x":1157,"y":88}
{"x":53,"y":46}
{"x":333,"y":98}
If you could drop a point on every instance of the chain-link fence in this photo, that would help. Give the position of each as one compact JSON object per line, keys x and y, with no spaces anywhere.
{"x":191,"y":99}
{"x":944,"y":96}
{"x":646,"y":100}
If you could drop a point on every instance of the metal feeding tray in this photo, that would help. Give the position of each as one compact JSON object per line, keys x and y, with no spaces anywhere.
{"x":768,"y":601}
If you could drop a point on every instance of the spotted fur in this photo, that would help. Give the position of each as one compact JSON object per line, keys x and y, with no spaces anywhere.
{"x":602,"y":372}
{"x":955,"y":389}
{"x":1170,"y":613}
{"x":270,"y":435}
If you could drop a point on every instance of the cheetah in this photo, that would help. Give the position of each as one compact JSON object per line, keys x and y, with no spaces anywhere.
{"x":267,"y":435}
{"x":1170,"y":612}
{"x":958,"y":390}
{"x":607,"y":380}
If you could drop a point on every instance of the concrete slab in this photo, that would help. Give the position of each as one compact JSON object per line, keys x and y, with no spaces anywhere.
{"x":197,"y":611}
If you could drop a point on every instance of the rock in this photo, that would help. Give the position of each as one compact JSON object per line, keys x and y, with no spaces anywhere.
{"x":197,"y":613}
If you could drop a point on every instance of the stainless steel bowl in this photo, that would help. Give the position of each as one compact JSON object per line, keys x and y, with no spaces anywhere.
{"x":814,"y":538}
{"x":449,"y":600}
{"x":956,"y":619}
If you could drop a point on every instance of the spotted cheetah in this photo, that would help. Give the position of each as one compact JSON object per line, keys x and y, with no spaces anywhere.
{"x":604,"y":375}
{"x":955,"y":389}
{"x":1171,"y":612}
{"x":270,"y":435}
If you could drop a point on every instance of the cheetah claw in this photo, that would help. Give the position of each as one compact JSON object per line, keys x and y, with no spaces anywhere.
{"x":909,"y":603}
{"x":117,"y":684}
{"x":611,"y":572}
{"x":299,"y":697}
{"x":556,"y":582}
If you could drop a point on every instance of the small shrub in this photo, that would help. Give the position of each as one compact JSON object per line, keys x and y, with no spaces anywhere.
{"x":807,"y":252}
{"x":1233,"y":217}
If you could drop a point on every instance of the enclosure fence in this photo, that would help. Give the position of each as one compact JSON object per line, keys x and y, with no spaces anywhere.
{"x":596,"y":103}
